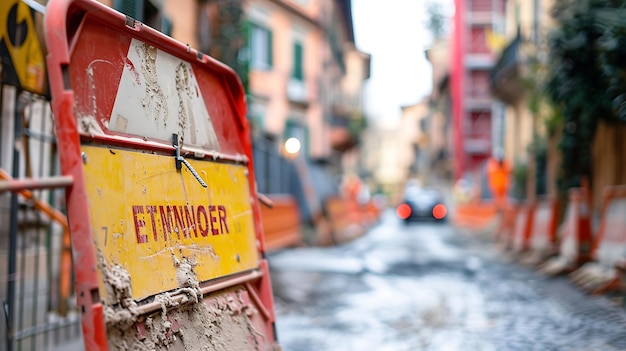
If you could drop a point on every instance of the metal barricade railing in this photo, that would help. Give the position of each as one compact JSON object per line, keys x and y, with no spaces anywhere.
{"x":35,"y":255}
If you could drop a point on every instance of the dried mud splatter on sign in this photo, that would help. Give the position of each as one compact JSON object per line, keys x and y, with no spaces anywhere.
{"x":222,"y":325}
{"x":89,"y":125}
{"x":155,"y":102}
{"x":120,"y":310}
{"x":185,"y":113}
{"x":219,"y":322}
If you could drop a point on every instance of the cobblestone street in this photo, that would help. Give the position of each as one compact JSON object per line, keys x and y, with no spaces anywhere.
{"x":429,"y":287}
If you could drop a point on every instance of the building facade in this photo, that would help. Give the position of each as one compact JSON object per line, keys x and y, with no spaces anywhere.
{"x":439,"y":123}
{"x":474,"y":110}
{"x":306,"y":81}
{"x":522,"y":134}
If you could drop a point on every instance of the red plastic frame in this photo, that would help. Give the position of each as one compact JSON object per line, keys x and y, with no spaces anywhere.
{"x":71,"y":37}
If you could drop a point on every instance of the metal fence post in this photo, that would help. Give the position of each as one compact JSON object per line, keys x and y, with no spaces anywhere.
{"x":12,"y":264}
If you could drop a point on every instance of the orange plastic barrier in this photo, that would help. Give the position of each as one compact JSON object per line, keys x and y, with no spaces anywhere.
{"x":474,"y":215}
{"x":281,"y":223}
{"x":575,"y":236}
{"x":542,"y":243}
{"x":365,"y":214}
{"x":523,"y":227}
{"x":344,"y":223}
{"x":609,"y":247}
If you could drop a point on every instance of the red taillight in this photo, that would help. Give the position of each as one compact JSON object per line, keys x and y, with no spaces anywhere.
{"x":439,"y":211}
{"x":403,"y":211}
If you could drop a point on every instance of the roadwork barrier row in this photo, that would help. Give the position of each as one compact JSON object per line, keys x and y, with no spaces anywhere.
{"x":595,"y":261}
{"x":609,"y":247}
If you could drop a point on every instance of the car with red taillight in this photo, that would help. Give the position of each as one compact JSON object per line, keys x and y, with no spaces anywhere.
{"x":422,"y":204}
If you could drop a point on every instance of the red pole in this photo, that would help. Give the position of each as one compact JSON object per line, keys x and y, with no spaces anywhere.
{"x":456,"y":78}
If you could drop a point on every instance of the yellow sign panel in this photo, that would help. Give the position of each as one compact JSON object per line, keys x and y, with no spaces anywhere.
{"x":146,"y":217}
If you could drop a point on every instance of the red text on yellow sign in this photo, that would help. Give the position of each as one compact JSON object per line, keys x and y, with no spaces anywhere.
{"x":146,"y":215}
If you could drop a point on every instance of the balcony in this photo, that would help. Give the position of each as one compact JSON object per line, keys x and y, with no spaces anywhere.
{"x":479,"y":61}
{"x":477,"y":146}
{"x":345,"y":131}
{"x":297,"y":91}
{"x":506,"y":84}
{"x":478,"y":103}
{"x":479,"y":17}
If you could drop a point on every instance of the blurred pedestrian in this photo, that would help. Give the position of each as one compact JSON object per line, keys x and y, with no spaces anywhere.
{"x":499,"y":179}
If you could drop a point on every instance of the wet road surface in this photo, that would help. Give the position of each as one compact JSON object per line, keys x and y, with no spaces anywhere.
{"x":428,"y":287}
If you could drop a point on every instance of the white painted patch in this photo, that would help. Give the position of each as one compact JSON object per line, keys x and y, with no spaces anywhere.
{"x":613,"y":247}
{"x":158,"y":96}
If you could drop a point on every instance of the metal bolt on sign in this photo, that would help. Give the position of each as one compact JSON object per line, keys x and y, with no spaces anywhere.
{"x":180,"y":159}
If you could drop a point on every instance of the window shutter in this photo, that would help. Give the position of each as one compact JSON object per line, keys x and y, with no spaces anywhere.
{"x":297,"y":61}
{"x":132,"y":8}
{"x":166,"y":25}
{"x":270,"y":48}
{"x":245,"y":52}
{"x":244,"y":57}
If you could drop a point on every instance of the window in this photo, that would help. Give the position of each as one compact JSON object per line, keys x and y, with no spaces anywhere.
{"x":130,"y":8}
{"x":256,"y":115}
{"x":479,"y":84}
{"x":298,"y":69}
{"x":145,"y":11}
{"x":478,"y":44}
{"x":481,"y":5}
{"x":260,"y":47}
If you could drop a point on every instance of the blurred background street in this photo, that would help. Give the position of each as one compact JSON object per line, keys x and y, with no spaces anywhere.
{"x":430,"y":286}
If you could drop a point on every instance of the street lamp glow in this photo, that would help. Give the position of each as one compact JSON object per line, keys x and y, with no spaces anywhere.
{"x":292,"y":146}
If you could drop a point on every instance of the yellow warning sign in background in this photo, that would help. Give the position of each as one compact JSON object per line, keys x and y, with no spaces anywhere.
{"x":21,"y":48}
{"x":146,"y":215}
